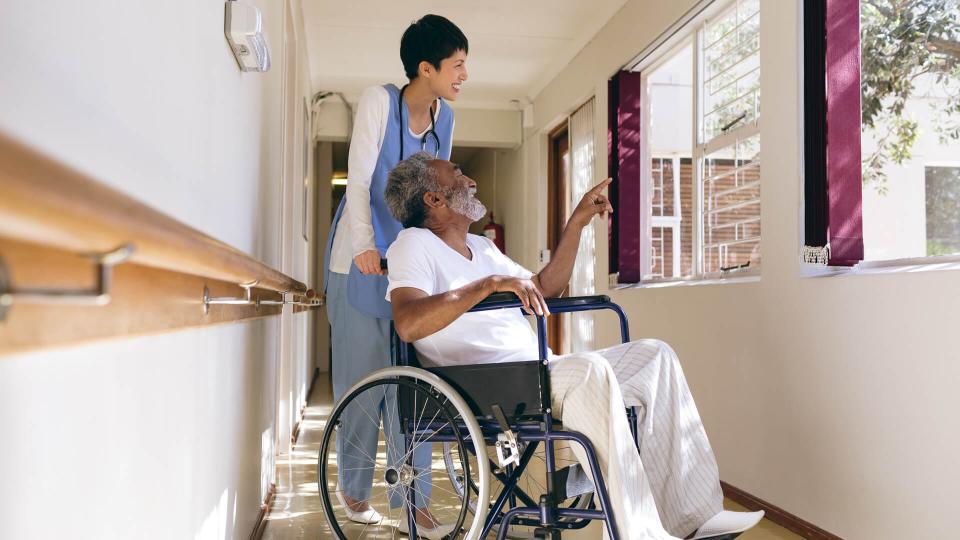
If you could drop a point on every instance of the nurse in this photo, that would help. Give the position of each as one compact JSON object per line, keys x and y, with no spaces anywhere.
{"x":392,"y":124}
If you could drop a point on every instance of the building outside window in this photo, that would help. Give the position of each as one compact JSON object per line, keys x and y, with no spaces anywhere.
{"x":910,"y":91}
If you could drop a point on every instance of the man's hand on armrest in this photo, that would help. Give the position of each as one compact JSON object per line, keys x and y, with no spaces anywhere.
{"x":417,"y":315}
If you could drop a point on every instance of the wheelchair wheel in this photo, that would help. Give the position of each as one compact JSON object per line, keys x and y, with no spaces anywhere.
{"x":532,"y":482}
{"x":382,"y":456}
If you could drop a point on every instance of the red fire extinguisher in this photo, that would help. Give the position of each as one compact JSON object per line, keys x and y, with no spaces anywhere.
{"x":494,"y":231}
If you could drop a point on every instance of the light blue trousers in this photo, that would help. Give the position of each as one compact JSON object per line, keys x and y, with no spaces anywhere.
{"x":361,"y":344}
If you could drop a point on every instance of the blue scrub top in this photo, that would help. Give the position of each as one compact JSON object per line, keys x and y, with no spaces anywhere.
{"x":366,"y":293}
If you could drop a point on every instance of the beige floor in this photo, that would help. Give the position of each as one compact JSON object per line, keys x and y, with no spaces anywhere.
{"x":297,"y":511}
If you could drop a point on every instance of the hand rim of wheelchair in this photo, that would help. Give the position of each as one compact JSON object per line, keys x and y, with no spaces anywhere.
{"x":395,"y":374}
{"x":580,"y":502}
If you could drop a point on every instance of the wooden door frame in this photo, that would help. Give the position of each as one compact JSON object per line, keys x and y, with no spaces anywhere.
{"x":558,"y":143}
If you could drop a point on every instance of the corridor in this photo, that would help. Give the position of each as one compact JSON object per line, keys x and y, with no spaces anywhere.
{"x":297,"y":512}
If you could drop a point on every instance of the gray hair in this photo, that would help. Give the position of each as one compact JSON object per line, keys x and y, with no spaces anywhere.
{"x":406,"y":186}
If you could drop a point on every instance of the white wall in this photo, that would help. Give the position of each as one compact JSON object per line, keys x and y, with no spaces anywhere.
{"x":832,"y":398}
{"x":167,"y":436}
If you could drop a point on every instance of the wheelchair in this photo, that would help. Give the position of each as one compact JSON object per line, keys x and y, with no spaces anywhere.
{"x":475,"y":444}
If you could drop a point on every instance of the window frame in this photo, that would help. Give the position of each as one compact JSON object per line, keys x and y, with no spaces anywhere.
{"x":812,"y":18}
{"x":686,"y":33}
{"x":673,"y":222}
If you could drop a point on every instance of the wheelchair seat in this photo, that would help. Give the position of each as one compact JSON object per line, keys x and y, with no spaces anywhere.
{"x":514,"y":386}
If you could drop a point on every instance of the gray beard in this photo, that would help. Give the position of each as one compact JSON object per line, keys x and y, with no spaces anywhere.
{"x":464,"y":203}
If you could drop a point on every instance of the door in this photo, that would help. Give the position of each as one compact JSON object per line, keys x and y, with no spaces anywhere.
{"x":558,"y":195}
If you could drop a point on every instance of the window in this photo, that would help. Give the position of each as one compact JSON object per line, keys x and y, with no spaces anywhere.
{"x":910,"y":126}
{"x":943,"y":210}
{"x":668,"y":172}
{"x":700,"y":148}
{"x":879,"y":180}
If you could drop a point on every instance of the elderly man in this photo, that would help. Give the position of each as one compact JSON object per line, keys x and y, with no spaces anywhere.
{"x":438,"y":271}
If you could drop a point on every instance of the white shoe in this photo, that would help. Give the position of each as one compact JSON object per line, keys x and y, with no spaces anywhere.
{"x":437,"y":533}
{"x":367,"y":517}
{"x":727,"y":522}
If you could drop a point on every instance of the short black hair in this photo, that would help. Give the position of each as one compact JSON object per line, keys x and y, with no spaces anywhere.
{"x":431,"y":39}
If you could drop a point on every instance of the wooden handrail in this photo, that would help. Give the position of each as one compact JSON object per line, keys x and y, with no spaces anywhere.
{"x":45,"y":202}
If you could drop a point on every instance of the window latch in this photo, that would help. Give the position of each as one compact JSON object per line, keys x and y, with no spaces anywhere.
{"x":733,"y":122}
{"x":728,"y":269}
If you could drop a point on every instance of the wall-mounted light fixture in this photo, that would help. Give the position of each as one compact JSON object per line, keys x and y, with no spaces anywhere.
{"x":243,"y":27}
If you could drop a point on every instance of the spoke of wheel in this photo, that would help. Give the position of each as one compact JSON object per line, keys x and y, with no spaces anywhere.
{"x":556,"y":460}
{"x":417,"y":423}
{"x":364,"y":529}
{"x":424,"y":439}
{"x":355,"y":469}
{"x":414,"y":445}
{"x":395,"y":417}
{"x":372,"y":421}
{"x":362,"y":451}
{"x":386,"y":500}
{"x":377,"y":422}
{"x":435,"y":486}
{"x":422,"y":495}
{"x":405,"y":456}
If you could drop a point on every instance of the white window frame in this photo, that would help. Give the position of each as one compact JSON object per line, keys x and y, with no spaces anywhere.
{"x":688,"y":32}
{"x":674,"y":221}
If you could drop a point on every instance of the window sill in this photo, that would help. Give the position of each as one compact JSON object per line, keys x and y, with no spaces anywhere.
{"x":738,"y":277}
{"x":920,"y":264}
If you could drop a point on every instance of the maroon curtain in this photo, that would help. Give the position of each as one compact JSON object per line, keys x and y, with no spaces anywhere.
{"x":623,"y":163}
{"x":844,"y":174}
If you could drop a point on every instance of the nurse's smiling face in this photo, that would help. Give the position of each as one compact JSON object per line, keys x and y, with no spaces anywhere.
{"x":446,"y":81}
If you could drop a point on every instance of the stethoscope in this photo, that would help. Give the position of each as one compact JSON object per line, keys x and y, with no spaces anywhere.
{"x":423,"y":140}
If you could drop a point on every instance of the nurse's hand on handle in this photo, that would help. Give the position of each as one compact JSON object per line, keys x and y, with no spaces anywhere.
{"x":369,"y":262}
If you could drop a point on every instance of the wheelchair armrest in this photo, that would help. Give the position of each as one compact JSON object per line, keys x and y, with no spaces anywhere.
{"x":505,"y":300}
{"x":500,"y":300}
{"x":598,"y":301}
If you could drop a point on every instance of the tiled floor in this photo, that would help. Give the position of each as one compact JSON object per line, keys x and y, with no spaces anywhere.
{"x":297,"y":511}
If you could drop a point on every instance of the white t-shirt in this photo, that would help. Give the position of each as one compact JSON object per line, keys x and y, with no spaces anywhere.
{"x":420,"y":259}
{"x":355,"y":231}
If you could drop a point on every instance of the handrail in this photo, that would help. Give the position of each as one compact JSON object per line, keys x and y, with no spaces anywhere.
{"x":48,"y":203}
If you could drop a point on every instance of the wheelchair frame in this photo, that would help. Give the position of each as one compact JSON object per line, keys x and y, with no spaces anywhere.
{"x":544,"y":513}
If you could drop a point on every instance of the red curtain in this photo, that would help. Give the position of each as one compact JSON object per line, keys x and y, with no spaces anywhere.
{"x":844,"y":174}
{"x":623,"y":163}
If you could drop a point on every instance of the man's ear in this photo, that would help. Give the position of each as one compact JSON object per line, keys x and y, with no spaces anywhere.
{"x":425,"y":69}
{"x":434,"y":199}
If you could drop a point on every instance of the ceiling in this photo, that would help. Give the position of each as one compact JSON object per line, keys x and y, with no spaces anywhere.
{"x":516,"y":47}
